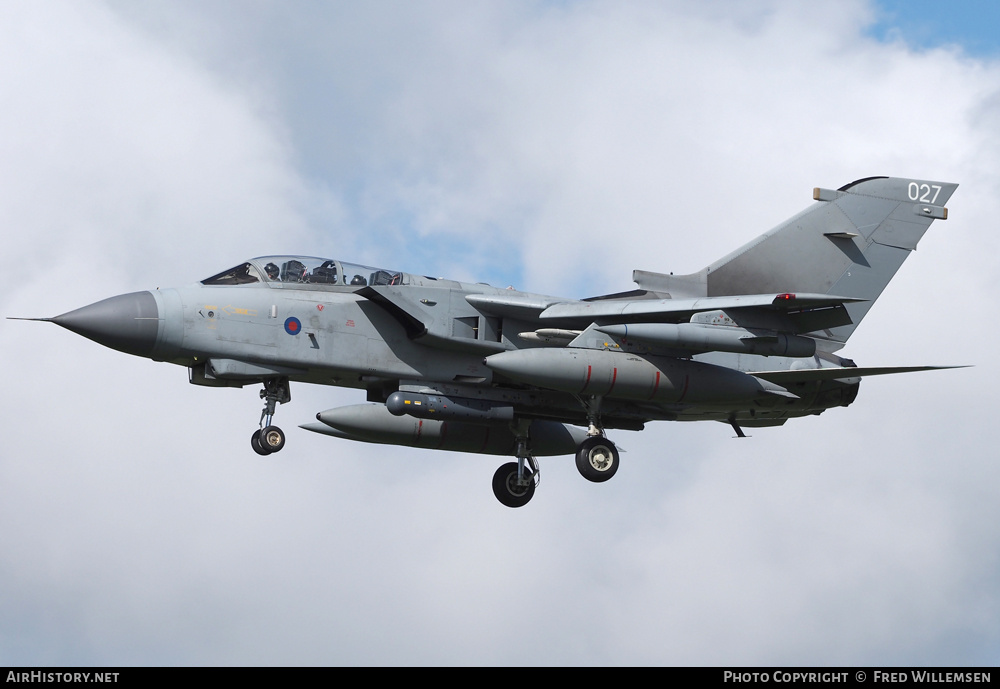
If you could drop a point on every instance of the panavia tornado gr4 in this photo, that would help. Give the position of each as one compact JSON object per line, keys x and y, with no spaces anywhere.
{"x":750,"y":340}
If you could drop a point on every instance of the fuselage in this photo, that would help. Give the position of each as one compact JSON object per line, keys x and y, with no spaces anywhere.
{"x":331,"y":323}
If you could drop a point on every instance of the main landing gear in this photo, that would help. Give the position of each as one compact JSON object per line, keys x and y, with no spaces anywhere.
{"x":514,"y":483}
{"x":269,"y":439}
{"x":597,"y":460}
{"x":597,"y":457}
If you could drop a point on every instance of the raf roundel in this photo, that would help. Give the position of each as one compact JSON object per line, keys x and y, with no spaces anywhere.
{"x":293,"y":326}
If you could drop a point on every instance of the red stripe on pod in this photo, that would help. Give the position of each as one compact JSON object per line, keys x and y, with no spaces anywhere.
{"x":614,"y":377}
{"x":656,"y":386}
{"x":687,"y":379}
{"x":588,"y":379}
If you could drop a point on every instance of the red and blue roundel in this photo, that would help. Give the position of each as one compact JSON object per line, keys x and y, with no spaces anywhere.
{"x":293,"y":326}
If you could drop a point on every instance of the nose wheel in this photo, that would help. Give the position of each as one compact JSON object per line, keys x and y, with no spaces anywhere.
{"x":267,"y":440}
{"x":270,"y":438}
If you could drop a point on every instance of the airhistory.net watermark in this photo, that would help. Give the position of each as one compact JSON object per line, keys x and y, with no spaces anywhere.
{"x":61,"y":677}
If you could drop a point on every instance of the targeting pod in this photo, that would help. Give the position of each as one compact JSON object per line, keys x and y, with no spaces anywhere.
{"x":446,"y":408}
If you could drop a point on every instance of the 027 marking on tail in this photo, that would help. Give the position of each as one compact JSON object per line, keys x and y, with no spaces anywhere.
{"x":750,"y":340}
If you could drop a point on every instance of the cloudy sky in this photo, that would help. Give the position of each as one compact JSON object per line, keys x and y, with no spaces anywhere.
{"x":553,"y":146}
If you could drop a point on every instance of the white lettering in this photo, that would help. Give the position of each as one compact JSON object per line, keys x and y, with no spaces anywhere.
{"x":922,"y":192}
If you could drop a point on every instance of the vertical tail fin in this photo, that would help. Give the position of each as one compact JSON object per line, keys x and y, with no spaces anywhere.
{"x":849,"y":244}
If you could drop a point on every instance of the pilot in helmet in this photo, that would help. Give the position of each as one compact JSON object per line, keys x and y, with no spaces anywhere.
{"x":271,"y":270}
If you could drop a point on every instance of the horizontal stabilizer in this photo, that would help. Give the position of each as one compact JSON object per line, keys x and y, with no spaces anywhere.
{"x":820,"y":374}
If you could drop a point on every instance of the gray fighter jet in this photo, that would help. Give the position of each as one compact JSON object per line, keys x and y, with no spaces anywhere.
{"x":750,"y":341}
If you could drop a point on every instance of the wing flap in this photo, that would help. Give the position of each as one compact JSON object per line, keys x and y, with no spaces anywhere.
{"x":796,"y":313}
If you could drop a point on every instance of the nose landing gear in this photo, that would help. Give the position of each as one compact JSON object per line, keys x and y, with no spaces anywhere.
{"x":269,"y":438}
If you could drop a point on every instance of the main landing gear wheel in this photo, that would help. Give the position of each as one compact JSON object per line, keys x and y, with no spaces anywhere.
{"x":597,"y":459}
{"x":506,"y":488}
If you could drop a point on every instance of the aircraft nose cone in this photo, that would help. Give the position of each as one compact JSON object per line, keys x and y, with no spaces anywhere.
{"x":128,"y":322}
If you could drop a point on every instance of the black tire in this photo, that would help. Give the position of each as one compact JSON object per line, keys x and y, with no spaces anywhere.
{"x":506,"y":489}
{"x":597,"y":459}
{"x":255,"y":444}
{"x":272,"y":439}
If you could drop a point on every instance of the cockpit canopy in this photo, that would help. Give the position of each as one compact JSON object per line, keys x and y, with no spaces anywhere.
{"x":305,"y":272}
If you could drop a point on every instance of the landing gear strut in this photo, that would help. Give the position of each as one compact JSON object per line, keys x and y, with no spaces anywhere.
{"x":269,"y":439}
{"x":514,"y":483}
